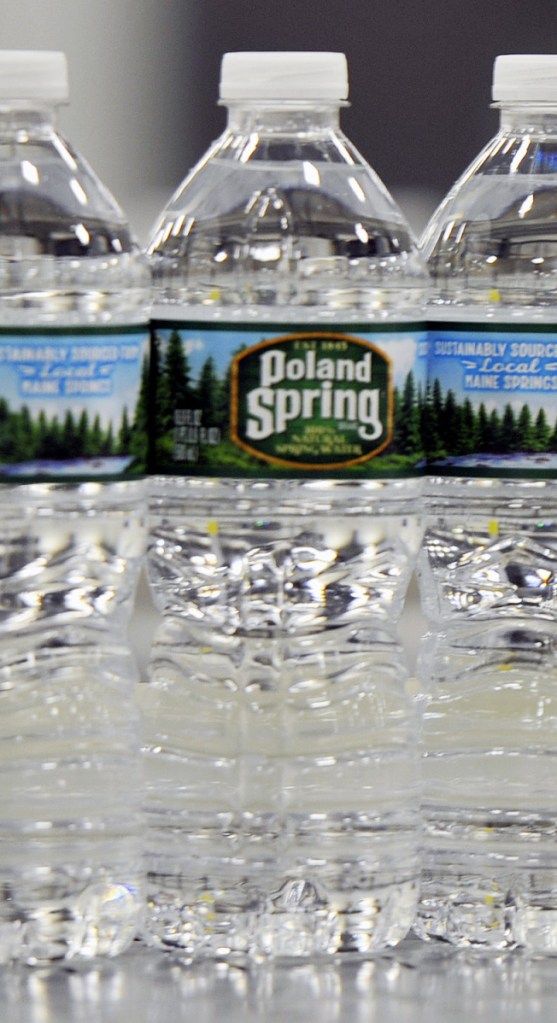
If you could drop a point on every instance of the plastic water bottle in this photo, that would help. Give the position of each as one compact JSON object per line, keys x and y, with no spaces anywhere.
{"x":488,"y":566}
{"x":73,"y":340}
{"x":288,"y":336}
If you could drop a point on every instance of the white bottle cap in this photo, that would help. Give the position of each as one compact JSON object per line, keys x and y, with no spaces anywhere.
{"x":525,"y":77}
{"x":33,"y":74}
{"x":284,"y":76}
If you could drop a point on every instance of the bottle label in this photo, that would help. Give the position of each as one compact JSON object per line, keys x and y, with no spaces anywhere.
{"x":491,"y":406}
{"x":284,"y":400}
{"x":73,"y":403}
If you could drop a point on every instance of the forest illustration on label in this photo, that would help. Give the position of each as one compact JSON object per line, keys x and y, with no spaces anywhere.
{"x":73,"y":404}
{"x":232,"y":400}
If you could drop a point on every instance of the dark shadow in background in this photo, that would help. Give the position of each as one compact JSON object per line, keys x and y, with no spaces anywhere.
{"x":420,"y":70}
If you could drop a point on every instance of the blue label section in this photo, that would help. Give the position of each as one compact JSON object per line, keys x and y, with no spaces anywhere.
{"x":545,"y":160}
{"x":287,"y":399}
{"x":73,"y":403}
{"x":491,"y":400}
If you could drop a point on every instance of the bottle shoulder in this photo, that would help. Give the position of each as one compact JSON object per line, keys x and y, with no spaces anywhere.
{"x":302,"y":231}
{"x":493,"y":236}
{"x":307,"y":170}
{"x":52,"y":198}
{"x":67,"y":254}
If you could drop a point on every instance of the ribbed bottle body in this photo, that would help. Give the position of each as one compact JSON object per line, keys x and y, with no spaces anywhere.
{"x":487,"y":564}
{"x":73,"y":294}
{"x":281,"y":756}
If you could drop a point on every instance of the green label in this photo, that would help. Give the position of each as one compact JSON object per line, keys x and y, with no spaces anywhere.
{"x":73,"y":403}
{"x":243,"y":400}
{"x":307,"y":401}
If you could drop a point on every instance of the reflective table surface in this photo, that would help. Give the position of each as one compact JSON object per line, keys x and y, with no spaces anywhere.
{"x":412,"y":984}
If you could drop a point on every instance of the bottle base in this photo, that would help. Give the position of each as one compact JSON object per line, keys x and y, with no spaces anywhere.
{"x":45,"y":924}
{"x":295,"y":918}
{"x":494,"y":912}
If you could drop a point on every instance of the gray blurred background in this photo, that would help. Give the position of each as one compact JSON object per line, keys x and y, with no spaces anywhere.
{"x":144,"y":79}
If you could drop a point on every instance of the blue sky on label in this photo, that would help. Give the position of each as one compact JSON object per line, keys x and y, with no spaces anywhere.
{"x":403,"y":349}
{"x":99,"y":373}
{"x":506,"y":368}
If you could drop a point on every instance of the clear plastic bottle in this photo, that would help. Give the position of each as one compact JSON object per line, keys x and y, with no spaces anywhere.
{"x":280,"y":733}
{"x":489,"y":560}
{"x":73,"y":340}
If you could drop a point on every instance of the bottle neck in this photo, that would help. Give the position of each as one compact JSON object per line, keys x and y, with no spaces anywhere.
{"x":283,"y":118}
{"x":540,"y":118}
{"x":29,"y":119}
